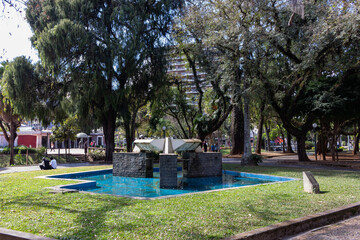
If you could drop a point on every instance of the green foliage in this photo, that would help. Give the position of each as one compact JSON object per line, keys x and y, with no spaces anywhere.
{"x":40,"y":153}
{"x":172,"y":101}
{"x":21,"y":86}
{"x":20,"y":159}
{"x":96,"y":155}
{"x":255,"y":158}
{"x":309,"y":145}
{"x":20,"y":149}
{"x":340,"y":149}
{"x":66,"y":131}
{"x":110,"y":58}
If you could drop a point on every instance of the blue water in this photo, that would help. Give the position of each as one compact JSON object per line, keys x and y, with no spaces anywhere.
{"x":106,"y":183}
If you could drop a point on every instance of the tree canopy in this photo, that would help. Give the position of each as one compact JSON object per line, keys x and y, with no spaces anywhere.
{"x":108,"y":54}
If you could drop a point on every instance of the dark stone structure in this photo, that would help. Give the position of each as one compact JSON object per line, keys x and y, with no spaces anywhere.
{"x":168,"y":170}
{"x":132,"y":165}
{"x":205,"y":164}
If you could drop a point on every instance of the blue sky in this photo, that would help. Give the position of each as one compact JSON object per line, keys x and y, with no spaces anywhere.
{"x":15,"y":35}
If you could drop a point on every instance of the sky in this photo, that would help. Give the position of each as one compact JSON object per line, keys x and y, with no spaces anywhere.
{"x":15,"y":35}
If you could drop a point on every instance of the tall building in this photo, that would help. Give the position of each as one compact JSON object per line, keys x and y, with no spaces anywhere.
{"x":179,"y":68}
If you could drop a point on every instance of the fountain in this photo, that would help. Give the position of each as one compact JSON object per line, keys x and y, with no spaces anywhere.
{"x":133,"y":174}
{"x":140,"y":164}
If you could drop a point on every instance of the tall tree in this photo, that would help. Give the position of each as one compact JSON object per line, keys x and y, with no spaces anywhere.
{"x":20,"y":86}
{"x":295,"y":57}
{"x":111,"y":52}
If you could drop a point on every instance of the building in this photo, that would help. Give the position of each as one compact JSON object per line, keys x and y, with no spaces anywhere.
{"x":179,"y":68}
{"x":30,"y":137}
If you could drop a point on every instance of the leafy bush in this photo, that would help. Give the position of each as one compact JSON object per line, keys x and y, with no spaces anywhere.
{"x":97,"y":155}
{"x":22,"y":149}
{"x":20,"y":159}
{"x":40,"y":153}
{"x":340,"y":149}
{"x":256,"y":159}
{"x":253,"y":160}
{"x":309,"y":145}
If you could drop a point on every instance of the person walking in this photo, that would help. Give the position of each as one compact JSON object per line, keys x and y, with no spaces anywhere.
{"x":205,"y":146}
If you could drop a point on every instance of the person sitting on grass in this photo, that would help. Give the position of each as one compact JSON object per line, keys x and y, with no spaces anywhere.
{"x":45,"y":165}
{"x":53,"y":163}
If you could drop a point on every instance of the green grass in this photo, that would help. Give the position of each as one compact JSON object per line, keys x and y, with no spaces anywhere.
{"x":225,"y":151}
{"x":25,"y":205}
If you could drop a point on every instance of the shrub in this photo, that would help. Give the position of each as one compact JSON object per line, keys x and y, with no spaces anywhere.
{"x":256,"y":159}
{"x":20,"y":159}
{"x":40,"y":153}
{"x":309,"y":145}
{"x":340,"y":149}
{"x":22,"y":149}
{"x":96,"y":155}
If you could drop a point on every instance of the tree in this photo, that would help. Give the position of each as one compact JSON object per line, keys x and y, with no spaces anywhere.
{"x":294,"y":57}
{"x":111,"y":52}
{"x":190,"y":37}
{"x":19,"y":98}
{"x":66,"y":131}
{"x":172,"y":102}
{"x":260,"y":128}
{"x":9,"y":123}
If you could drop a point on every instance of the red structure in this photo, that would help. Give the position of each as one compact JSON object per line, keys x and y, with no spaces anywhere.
{"x":27,"y":140}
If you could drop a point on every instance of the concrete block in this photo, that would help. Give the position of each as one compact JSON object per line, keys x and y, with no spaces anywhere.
{"x":202,"y":165}
{"x":132,"y":165}
{"x":310,"y":183}
{"x":168,"y":170}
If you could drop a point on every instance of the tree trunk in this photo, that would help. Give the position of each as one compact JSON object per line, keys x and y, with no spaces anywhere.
{"x":267,"y":130}
{"x":11,"y":145}
{"x":332,"y":147}
{"x":301,"y":148}
{"x":323,"y":139}
{"x":288,"y":143}
{"x":356,"y":144}
{"x":13,"y":136}
{"x":247,"y":141}
{"x":109,"y":132}
{"x":260,"y":130}
{"x":129,"y":133}
{"x":237,"y":130}
{"x":283,"y":139}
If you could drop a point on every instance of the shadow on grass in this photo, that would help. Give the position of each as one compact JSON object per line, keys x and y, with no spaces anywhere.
{"x":93,"y":221}
{"x":272,"y":170}
{"x":89,"y":211}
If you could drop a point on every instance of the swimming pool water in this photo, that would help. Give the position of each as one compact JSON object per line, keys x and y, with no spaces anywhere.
{"x":106,"y":183}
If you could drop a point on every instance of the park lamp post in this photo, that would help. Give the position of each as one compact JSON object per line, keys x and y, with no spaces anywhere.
{"x":314,"y":129}
{"x":164,"y":128}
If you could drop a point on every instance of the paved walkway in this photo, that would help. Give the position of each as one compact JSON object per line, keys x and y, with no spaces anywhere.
{"x":291,"y":161}
{"x":345,"y":230}
{"x":37,"y":168}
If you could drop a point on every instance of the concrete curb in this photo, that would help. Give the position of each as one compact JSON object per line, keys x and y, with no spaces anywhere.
{"x":7,"y":234}
{"x":299,"y":225}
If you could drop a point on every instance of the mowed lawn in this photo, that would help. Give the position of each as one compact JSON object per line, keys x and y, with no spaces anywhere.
{"x":25,"y":205}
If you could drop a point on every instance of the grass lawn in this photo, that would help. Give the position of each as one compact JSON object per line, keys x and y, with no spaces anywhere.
{"x":26,"y":206}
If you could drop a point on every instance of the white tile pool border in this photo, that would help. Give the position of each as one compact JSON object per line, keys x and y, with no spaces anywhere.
{"x":90,"y":182}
